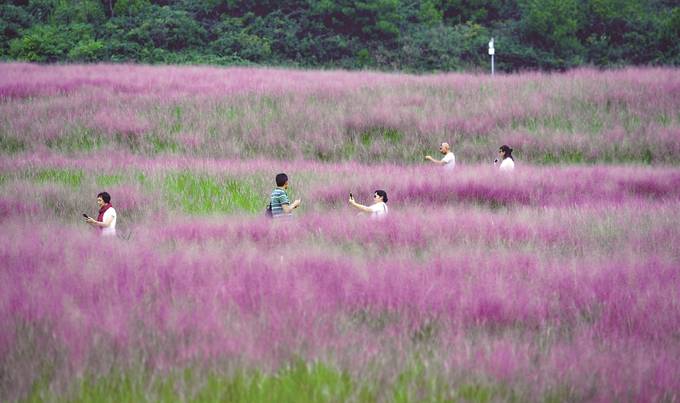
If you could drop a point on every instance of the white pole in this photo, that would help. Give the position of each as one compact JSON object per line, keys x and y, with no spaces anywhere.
{"x":492,"y":51}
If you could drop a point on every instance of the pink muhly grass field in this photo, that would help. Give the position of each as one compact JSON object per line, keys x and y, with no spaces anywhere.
{"x":539,"y":293}
{"x":355,"y":293}
{"x":558,"y":281}
{"x":628,"y":115}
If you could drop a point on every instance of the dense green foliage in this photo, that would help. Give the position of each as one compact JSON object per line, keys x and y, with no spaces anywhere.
{"x":422,"y":35}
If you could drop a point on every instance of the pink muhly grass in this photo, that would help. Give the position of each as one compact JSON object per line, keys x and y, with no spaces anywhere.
{"x":118,"y":123}
{"x":530,"y":186}
{"x":192,"y":290}
{"x":238,"y":112}
{"x":554,"y":281}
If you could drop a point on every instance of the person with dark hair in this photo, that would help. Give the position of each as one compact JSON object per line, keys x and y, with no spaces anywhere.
{"x":505,"y":155}
{"x":379,"y":207}
{"x":448,"y":161}
{"x":279,"y":203}
{"x":106,"y":220}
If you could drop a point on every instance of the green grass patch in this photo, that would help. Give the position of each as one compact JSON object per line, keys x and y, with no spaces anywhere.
{"x":72,"y":178}
{"x":390,"y":135}
{"x":348,"y":151}
{"x":476,"y":393}
{"x":647,"y":156}
{"x":564,"y":393}
{"x":79,"y":139}
{"x":643,"y":155}
{"x":531,"y":124}
{"x":627,"y":155}
{"x":132,"y":141}
{"x":11,"y":145}
{"x":162,"y":144}
{"x":108,"y":180}
{"x":664,"y":119}
{"x":321,"y":155}
{"x":177,"y":117}
{"x":558,"y":123}
{"x":228,"y":112}
{"x":631,"y":122}
{"x":414,"y":384}
{"x":552,"y":123}
{"x":594,"y":124}
{"x":205,"y":194}
{"x":142,"y":179}
{"x":563,"y":157}
{"x":299,"y":382}
{"x":269,"y":103}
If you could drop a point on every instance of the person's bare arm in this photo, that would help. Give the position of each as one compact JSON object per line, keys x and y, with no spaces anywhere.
{"x":289,"y":208}
{"x":103,"y":224}
{"x":438,"y":162}
{"x":359,"y":206}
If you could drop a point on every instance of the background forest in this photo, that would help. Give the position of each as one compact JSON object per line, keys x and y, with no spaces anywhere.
{"x":405,"y":35}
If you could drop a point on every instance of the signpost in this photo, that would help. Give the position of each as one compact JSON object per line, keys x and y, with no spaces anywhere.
{"x":492,"y":51}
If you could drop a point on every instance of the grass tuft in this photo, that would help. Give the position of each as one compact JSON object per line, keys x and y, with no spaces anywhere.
{"x":11,"y":145}
{"x":72,"y":178}
{"x":203,"y":194}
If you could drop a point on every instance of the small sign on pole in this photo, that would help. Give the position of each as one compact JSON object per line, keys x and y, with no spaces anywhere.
{"x":492,"y":52}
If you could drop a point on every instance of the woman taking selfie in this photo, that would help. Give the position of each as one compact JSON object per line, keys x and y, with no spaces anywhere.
{"x":379,"y":207}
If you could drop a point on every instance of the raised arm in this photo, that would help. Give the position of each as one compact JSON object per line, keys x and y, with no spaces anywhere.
{"x":438,"y":162}
{"x":359,"y":206}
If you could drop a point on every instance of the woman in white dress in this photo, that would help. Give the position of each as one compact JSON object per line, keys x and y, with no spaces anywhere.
{"x":379,"y":207}
{"x":507,"y":162}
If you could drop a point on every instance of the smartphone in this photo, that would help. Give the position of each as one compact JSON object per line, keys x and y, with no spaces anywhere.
{"x":85,"y":215}
{"x":350,"y":195}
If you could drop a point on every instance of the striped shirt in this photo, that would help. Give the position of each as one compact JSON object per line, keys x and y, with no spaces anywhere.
{"x":278,"y":199}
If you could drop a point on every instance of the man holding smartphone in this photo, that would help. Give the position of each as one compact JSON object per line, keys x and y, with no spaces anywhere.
{"x":106,"y":220}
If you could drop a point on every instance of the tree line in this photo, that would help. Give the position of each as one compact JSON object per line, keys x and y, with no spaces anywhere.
{"x":406,"y":35}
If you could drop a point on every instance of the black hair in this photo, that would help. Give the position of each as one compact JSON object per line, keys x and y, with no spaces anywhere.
{"x":105,"y":196}
{"x":508,"y":152}
{"x":382,"y":194}
{"x":281,"y":179}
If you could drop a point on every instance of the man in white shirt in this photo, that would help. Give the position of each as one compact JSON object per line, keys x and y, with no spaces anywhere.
{"x":448,"y":161}
{"x":106,"y":220}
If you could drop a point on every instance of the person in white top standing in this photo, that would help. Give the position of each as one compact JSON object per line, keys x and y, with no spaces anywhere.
{"x":448,"y":161}
{"x":507,"y":162}
{"x":106,"y":220}
{"x":379,"y":207}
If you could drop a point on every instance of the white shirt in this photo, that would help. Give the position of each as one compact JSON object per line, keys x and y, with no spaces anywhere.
{"x":507,"y":165}
{"x":378,"y":210}
{"x":111,"y":229}
{"x":449,"y":160}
